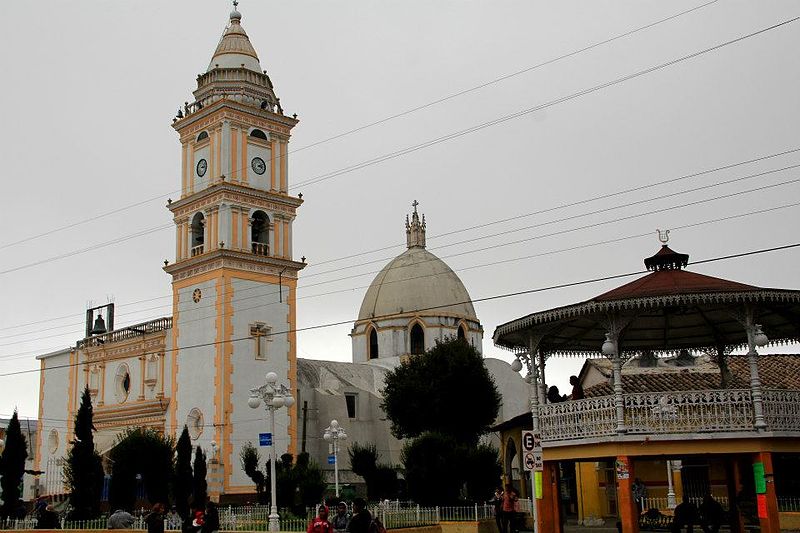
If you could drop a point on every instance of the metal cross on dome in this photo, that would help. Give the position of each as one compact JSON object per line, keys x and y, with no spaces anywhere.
{"x":414,"y":204}
{"x":235,"y":3}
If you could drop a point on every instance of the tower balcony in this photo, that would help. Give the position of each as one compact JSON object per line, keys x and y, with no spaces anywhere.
{"x":702,"y":414}
{"x":198,"y":250}
{"x":260,"y":248}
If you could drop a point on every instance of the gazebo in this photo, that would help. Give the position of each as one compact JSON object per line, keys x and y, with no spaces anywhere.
{"x":668,"y":312}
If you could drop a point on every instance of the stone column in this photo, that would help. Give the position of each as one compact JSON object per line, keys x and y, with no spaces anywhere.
{"x":755,"y":380}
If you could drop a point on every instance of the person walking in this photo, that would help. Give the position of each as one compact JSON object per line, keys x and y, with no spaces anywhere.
{"x":155,"y":519}
{"x":361,"y":519}
{"x":497,"y":502}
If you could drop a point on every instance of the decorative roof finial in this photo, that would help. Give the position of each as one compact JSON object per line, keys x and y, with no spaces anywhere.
{"x":235,"y":15}
{"x":663,"y":236}
{"x":415,"y":230}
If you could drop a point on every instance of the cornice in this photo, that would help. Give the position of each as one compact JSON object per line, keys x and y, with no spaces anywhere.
{"x":226,"y":108}
{"x":234,"y":194}
{"x":235,"y":260}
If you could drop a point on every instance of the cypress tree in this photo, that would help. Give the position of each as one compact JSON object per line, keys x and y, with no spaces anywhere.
{"x":84,"y":468}
{"x":12,"y":467}
{"x":182,"y":489}
{"x":199,"y":484}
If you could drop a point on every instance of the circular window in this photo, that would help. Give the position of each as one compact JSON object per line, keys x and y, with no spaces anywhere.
{"x":52,"y":441}
{"x":195,"y":422}
{"x":122,"y":383}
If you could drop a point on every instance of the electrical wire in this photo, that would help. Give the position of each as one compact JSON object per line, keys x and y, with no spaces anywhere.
{"x":429,"y":308}
{"x":495,"y":246}
{"x":384,"y":120}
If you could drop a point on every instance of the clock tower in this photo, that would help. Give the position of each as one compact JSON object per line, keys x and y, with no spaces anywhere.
{"x":233,"y":277}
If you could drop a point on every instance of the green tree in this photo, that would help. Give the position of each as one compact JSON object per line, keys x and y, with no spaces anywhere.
{"x":12,"y":467}
{"x":84,"y":469}
{"x":381,"y":479}
{"x":182,"y":484}
{"x":484,"y":472}
{"x":447,"y":390}
{"x":143,"y":453}
{"x":444,"y":399}
{"x":199,"y":483}
{"x":250,"y":459}
{"x":310,"y":480}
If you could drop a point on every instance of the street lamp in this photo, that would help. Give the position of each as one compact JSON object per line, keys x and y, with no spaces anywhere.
{"x":334,"y":432}
{"x":526,"y":360}
{"x":274,"y":396}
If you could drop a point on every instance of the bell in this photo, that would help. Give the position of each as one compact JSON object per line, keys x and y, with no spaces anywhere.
{"x":99,"y":326}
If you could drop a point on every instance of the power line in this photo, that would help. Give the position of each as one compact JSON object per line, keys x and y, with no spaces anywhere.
{"x":381,"y":121}
{"x":431,"y":308}
{"x":499,"y":245}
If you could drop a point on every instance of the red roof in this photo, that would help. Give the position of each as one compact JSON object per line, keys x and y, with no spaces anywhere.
{"x":667,"y":282}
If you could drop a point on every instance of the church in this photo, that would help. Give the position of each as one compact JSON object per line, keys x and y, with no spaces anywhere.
{"x":234,"y":308}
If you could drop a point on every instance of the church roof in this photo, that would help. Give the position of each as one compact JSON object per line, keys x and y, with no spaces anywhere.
{"x":416,"y":281}
{"x":234,"y":49}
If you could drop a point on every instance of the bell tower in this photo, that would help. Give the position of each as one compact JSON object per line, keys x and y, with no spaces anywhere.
{"x":233,"y":277}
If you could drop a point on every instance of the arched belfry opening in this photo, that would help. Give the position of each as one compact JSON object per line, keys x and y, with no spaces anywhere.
{"x":198,"y":234}
{"x":417,"y":339}
{"x":462,"y":332}
{"x":259,"y":233}
{"x":373,"y":344}
{"x":258,"y":134}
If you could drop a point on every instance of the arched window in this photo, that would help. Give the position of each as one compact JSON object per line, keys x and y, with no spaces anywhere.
{"x":258,"y":134}
{"x":417,"y":339}
{"x":462,"y":332}
{"x":198,"y":233}
{"x":259,"y":233}
{"x":203,"y":135}
{"x":373,"y":343}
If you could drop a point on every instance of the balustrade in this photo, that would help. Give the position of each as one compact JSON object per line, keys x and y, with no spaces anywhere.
{"x":680,"y":412}
{"x":260,"y":248}
{"x":198,"y":250}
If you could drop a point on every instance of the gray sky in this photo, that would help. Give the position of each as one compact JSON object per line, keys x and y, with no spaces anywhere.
{"x":90,"y":88}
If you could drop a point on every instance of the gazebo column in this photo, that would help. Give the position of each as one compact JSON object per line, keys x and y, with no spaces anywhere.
{"x":755,"y":337}
{"x":611,"y":349}
{"x":770,"y":521}
{"x":628,"y":510}
{"x":550,"y":504}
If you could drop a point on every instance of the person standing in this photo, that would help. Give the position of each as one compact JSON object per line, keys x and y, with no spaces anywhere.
{"x":361,"y":519}
{"x":577,"y":389}
{"x":121,"y":519}
{"x":320,"y":523}
{"x":47,"y":518}
{"x":155,"y":519}
{"x":639,"y":493}
{"x":711,"y":514}
{"x":509,"y":508}
{"x":497,"y":502}
{"x":341,"y":518}
{"x":210,"y":519}
{"x":685,"y":515}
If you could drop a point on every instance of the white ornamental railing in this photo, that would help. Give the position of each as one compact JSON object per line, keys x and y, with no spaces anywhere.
{"x":782,"y":409}
{"x":681,"y":412}
{"x":689,"y":411}
{"x":578,"y":419}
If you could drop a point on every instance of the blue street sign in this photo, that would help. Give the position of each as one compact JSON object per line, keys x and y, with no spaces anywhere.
{"x":331,"y":459}
{"x":265,"y":439}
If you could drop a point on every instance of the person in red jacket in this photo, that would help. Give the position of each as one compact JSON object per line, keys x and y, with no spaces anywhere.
{"x":320,"y":524}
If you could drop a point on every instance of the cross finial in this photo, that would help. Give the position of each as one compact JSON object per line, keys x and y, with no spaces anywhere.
{"x":414,"y":204}
{"x":235,"y":3}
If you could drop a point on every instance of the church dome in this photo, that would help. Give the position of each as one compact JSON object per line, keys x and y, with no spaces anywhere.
{"x":234,"y":49}
{"x":416,"y":281}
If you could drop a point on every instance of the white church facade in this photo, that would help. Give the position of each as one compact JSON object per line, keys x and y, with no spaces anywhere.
{"x":234,"y":308}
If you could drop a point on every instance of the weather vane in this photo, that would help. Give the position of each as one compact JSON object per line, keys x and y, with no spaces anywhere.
{"x":663,"y":236}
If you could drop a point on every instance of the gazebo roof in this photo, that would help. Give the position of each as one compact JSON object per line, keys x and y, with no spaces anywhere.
{"x":666,"y":310}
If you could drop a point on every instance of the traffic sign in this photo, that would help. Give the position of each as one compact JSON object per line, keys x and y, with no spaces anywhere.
{"x":265,"y":439}
{"x":533,"y":461}
{"x":531,"y":441}
{"x":331,"y":459}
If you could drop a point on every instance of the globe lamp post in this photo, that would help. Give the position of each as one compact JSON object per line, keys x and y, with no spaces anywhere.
{"x":332,"y":434}
{"x":274,"y":397}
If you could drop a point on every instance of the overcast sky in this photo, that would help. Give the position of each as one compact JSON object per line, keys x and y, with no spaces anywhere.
{"x":89,"y":90}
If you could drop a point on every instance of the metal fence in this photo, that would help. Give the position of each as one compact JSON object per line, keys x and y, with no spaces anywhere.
{"x":789,"y":504}
{"x":393,"y":514}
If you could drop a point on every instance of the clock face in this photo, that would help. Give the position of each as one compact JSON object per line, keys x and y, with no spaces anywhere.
{"x":259,"y":167}
{"x":202,"y":166}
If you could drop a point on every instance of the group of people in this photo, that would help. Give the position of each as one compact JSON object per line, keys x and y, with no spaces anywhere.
{"x":506,"y":509}
{"x":554,"y":395}
{"x":709,"y":516}
{"x":343,"y":521}
{"x":201,"y":520}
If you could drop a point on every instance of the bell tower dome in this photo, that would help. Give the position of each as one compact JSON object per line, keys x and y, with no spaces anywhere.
{"x":234,"y":276}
